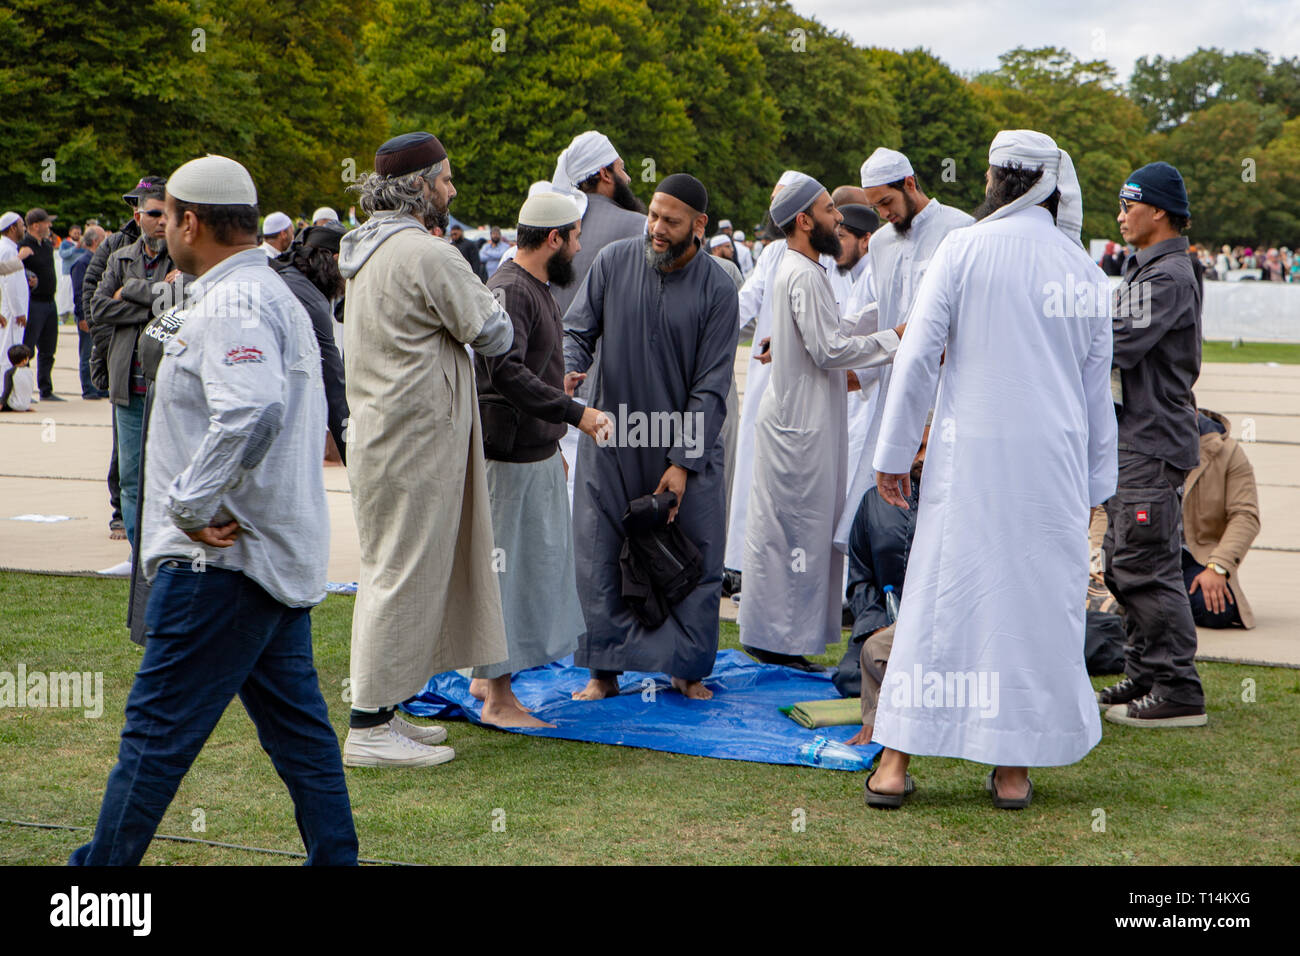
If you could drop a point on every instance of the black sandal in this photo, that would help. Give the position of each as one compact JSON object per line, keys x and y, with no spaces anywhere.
{"x":888,"y":801}
{"x":1008,"y":803}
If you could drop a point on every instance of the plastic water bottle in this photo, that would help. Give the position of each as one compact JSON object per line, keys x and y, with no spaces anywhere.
{"x":824,"y":752}
{"x":891,"y":603}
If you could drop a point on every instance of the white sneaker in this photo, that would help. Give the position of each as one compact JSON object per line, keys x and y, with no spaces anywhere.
{"x":427,"y":734}
{"x":383,"y":746}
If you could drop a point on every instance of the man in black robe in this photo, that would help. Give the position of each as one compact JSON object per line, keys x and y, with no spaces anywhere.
{"x":666,"y":320}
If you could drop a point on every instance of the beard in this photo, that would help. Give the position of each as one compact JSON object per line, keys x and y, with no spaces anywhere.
{"x":905,"y":225}
{"x":853,"y":258}
{"x":825,"y":241}
{"x":155,"y":246}
{"x":663,"y":261}
{"x":559,"y":268}
{"x":991,"y":204}
{"x":436,"y":217}
{"x":624,"y":197}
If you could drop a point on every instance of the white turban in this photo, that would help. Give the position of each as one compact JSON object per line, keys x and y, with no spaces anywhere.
{"x":789,"y":177}
{"x":588,"y":154}
{"x":740,"y":236}
{"x":1032,"y":150}
{"x":719,"y":240}
{"x":885,"y":166}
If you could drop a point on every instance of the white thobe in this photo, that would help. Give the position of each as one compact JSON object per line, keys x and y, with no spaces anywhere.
{"x":859,"y":316}
{"x":792,"y":575}
{"x":14,"y":293}
{"x":744,"y":259}
{"x":897,"y":263}
{"x":1023,"y":442}
{"x":755,"y":307}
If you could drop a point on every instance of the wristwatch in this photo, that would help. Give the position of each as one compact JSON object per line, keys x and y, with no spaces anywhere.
{"x":1215,"y":568}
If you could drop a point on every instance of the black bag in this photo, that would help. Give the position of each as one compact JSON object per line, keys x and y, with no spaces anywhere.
{"x":1103,"y":643}
{"x":660,"y":564}
{"x":499,"y":421}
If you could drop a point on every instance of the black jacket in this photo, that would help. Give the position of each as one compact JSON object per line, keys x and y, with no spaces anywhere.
{"x":331,"y":363}
{"x":101,"y":335}
{"x":1157,"y":352}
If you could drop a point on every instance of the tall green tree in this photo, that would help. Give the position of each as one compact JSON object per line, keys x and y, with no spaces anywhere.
{"x":835,"y":105}
{"x":97,"y":96}
{"x":1279,"y":222}
{"x":944,"y":127}
{"x":734,"y":115}
{"x":1080,"y":105}
{"x":1232,"y":180}
{"x":1168,"y":90}
{"x":507,"y":85}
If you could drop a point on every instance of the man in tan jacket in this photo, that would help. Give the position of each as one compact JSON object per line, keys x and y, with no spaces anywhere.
{"x":1220,"y":520}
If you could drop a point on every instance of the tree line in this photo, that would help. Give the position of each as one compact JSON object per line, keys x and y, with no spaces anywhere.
{"x":733,"y":91}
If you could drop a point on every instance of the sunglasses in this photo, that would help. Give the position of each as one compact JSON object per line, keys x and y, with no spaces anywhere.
{"x":152,"y":213}
{"x":1125,"y":205}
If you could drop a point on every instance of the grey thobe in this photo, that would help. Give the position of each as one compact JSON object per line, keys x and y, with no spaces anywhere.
{"x":669,"y":342}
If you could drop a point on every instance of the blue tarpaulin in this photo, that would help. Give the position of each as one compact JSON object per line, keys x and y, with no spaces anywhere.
{"x":741,"y":722}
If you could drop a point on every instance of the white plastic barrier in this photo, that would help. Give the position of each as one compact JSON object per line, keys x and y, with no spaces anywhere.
{"x":1251,"y":311}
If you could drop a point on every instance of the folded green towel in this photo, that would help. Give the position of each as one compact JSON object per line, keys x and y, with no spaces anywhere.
{"x":827,"y":713}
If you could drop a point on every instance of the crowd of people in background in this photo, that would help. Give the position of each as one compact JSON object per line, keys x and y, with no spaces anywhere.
{"x":1228,"y":264}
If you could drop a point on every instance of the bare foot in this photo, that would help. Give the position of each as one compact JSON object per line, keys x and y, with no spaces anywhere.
{"x":597,"y":690}
{"x":693,"y":689}
{"x":891,"y":772}
{"x":1011,"y":783}
{"x":504,"y":714}
{"x":117,"y":534}
{"x":478,"y":688}
{"x":862,"y":737}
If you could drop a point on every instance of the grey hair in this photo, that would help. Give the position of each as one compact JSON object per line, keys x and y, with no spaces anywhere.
{"x":91,"y":234}
{"x":400,"y":194}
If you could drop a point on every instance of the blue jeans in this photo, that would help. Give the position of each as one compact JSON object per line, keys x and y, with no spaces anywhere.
{"x":85,"y":342}
{"x":128,"y":423}
{"x":213,"y":634}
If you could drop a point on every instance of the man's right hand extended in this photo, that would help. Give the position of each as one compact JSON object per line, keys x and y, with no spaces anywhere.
{"x":596,"y":424}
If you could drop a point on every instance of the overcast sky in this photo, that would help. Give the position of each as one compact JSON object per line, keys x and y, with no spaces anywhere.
{"x":968,"y":36}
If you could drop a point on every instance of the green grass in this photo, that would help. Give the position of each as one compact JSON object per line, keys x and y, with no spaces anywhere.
{"x":1224,"y":794}
{"x":1250,"y":352}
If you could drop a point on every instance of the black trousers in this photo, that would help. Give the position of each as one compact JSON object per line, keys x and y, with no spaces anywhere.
{"x":42,"y":336}
{"x":1143,"y":553}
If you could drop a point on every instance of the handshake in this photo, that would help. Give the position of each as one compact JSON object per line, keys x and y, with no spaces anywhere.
{"x":594,"y":422}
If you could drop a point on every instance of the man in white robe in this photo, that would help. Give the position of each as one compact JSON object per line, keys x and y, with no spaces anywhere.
{"x":988,"y":656}
{"x":755,"y":314}
{"x":14,"y":288}
{"x":860,"y":316}
{"x":900,"y":254}
{"x":793,"y":574}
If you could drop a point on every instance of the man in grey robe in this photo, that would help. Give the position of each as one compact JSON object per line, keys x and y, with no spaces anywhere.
{"x":666,"y":319}
{"x":591,"y":172}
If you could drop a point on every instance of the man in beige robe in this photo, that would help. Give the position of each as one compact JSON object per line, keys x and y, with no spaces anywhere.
{"x":428,"y":599}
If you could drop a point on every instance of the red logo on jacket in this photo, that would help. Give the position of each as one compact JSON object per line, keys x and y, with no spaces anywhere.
{"x":1142,"y":516}
{"x":244,"y":355}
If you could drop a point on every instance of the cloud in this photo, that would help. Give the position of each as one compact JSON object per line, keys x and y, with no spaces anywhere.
{"x":970,"y":36}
